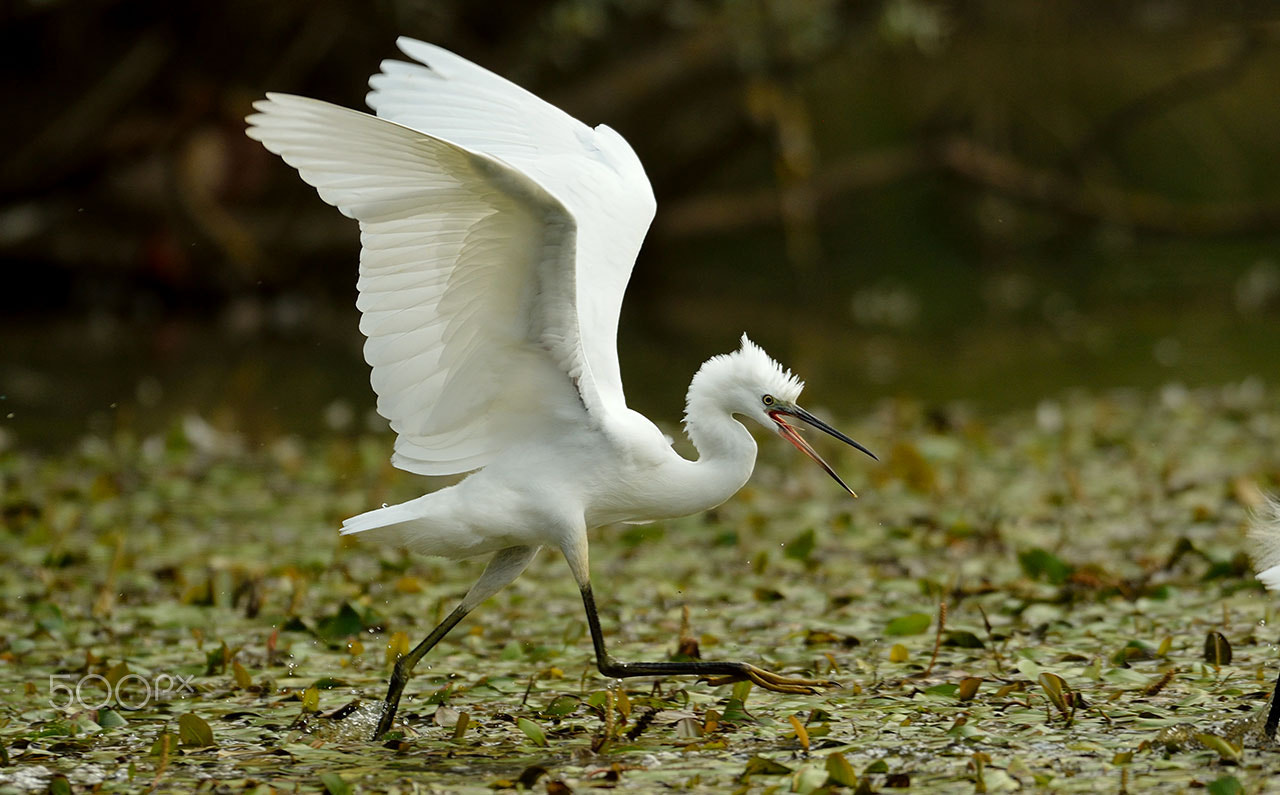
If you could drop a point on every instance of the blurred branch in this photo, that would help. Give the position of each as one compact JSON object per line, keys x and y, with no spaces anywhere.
{"x":1068,"y":196}
{"x":1113,"y":204}
{"x":74,"y":136}
{"x":631,"y":81}
{"x":714,"y":213}
{"x":982,"y":167}
{"x":320,"y":33}
{"x":782,"y":111}
{"x":1183,"y":88}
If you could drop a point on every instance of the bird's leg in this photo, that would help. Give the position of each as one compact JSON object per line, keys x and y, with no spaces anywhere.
{"x":503,"y":567}
{"x":404,"y":667}
{"x":1273,"y":715}
{"x":716,"y":673}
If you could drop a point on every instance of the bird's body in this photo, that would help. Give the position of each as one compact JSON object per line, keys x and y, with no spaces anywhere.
{"x":497,"y":238}
{"x":574,"y":476}
{"x":549,"y":489}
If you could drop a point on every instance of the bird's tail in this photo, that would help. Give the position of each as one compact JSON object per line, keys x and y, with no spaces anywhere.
{"x":386,"y":516}
{"x":1264,"y":540}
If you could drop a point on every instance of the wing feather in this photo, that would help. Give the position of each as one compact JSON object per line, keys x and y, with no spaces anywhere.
{"x":498,"y":235}
{"x":593,"y":172}
{"x":451,"y":250}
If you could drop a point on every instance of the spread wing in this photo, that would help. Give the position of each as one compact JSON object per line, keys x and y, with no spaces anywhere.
{"x":592,"y":171}
{"x":472,"y":279}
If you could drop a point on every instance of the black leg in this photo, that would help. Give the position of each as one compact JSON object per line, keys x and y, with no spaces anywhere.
{"x":717,"y":673}
{"x":404,"y":667}
{"x":1273,"y":714}
{"x":503,"y":567}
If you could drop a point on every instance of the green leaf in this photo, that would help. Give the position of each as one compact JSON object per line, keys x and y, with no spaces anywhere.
{"x":735,"y":709}
{"x":839,"y":771}
{"x":215,"y":660}
{"x":688,"y":728}
{"x":158,"y":747}
{"x":340,"y":626}
{"x":532,"y":730}
{"x":529,"y":776}
{"x":311,"y":699}
{"x":597,"y":699}
{"x":1057,"y":690}
{"x":1225,"y":749}
{"x":335,"y":784}
{"x":1039,"y":564}
{"x":1226,"y":785}
{"x":440,"y":696}
{"x":1133,"y":651}
{"x":560,"y":706}
{"x":110,"y":719}
{"x":1217,"y":649}
{"x":801,"y":547}
{"x":460,"y":728}
{"x":962,"y":639}
{"x":241,"y":676}
{"x":762,"y":766}
{"x":48,"y":617}
{"x":194,"y":731}
{"x":912,"y":624}
{"x":735,"y":712}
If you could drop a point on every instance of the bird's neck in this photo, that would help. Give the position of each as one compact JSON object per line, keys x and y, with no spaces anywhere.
{"x":726,"y":451}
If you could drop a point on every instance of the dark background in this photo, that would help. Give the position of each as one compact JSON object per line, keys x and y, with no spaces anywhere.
{"x":985,"y":201}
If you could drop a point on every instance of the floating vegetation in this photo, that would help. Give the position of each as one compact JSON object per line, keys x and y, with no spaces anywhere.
{"x":1010,"y":604}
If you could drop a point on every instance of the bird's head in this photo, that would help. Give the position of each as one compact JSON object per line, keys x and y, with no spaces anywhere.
{"x":748,"y":382}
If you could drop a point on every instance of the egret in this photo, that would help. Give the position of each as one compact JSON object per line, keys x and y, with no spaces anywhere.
{"x":1264,"y":537}
{"x":497,"y":237}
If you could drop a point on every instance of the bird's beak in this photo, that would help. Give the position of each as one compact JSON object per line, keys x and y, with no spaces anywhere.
{"x":792,"y":435}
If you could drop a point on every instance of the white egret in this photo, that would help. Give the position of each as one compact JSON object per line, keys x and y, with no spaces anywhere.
{"x":497,"y":238}
{"x":1264,"y":536}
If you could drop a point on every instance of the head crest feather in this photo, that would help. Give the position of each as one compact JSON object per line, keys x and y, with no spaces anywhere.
{"x":744,"y":374}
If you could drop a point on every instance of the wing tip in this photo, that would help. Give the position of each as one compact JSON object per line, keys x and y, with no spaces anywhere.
{"x":417,"y":49}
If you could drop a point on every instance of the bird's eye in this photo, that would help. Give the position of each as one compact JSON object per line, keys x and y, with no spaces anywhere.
{"x":768,"y":400}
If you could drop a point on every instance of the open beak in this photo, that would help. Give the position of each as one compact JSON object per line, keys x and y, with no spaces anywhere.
{"x":792,"y":435}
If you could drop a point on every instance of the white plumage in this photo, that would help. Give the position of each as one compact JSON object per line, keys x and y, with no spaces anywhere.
{"x":497,"y":238}
{"x":1264,"y":539}
{"x":1264,"y":536}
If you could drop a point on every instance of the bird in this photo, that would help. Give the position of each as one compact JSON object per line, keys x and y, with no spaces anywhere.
{"x":1264,"y":541}
{"x":498,"y":234}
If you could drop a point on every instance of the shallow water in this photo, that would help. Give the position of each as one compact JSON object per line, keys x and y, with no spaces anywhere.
{"x":63,"y":378}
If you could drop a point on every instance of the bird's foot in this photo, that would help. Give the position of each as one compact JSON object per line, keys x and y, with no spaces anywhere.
{"x":386,"y":716}
{"x":771,"y":681}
